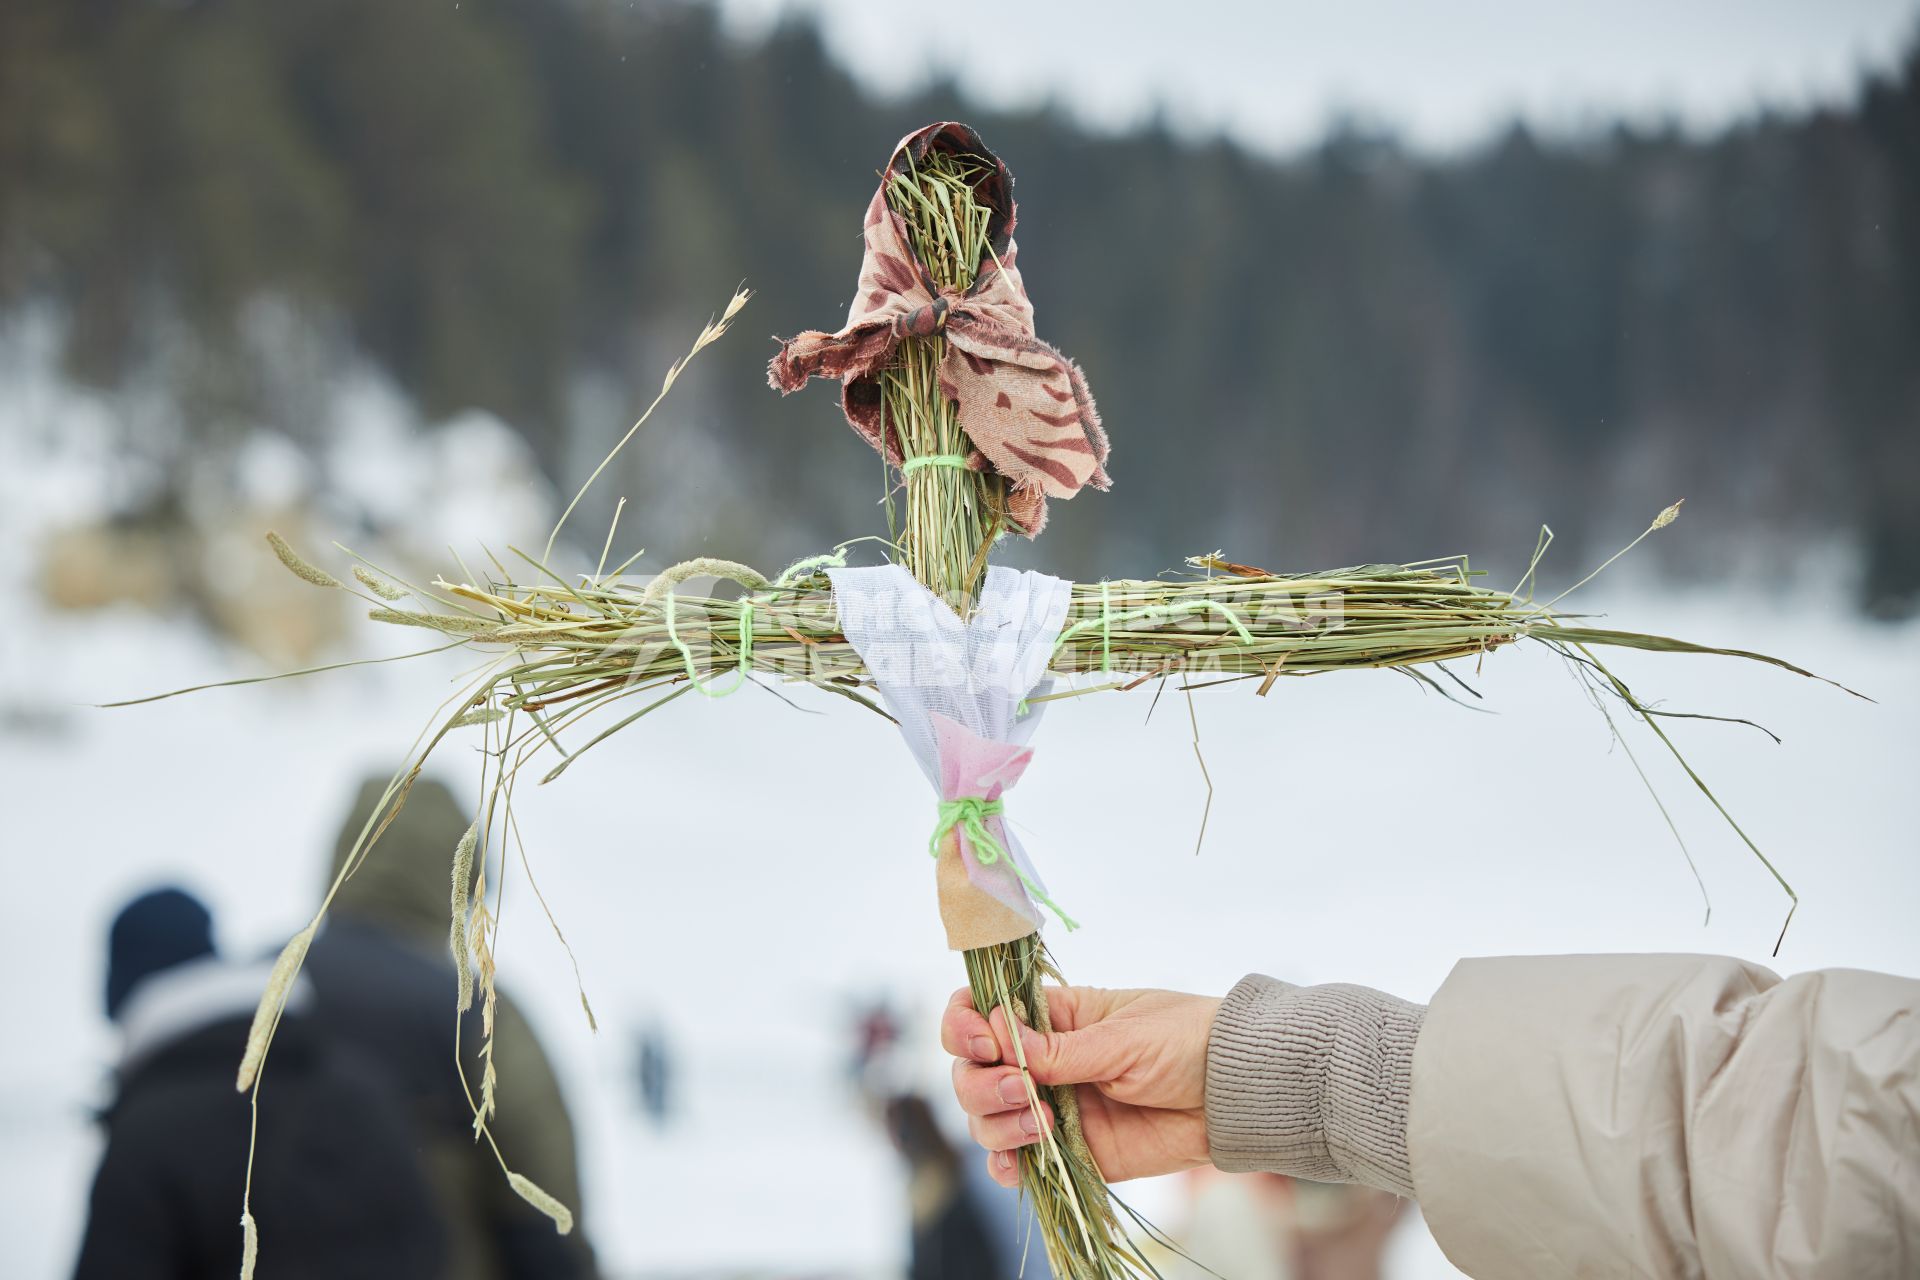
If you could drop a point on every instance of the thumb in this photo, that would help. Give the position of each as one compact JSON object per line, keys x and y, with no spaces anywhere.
{"x":1090,"y":1055}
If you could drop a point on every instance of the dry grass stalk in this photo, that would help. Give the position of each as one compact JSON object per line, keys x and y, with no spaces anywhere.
{"x":702,"y":567}
{"x":538,"y":1197}
{"x":249,"y":1245}
{"x":436,"y":621}
{"x":579,"y":983}
{"x":300,"y":568}
{"x":273,"y":1000}
{"x":377,"y":584}
{"x":484,"y":975}
{"x":713,"y":331}
{"x":462,"y":909}
{"x":484,"y":934}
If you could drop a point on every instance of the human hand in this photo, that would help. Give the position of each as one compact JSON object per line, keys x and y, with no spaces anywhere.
{"x":1141,"y":1057}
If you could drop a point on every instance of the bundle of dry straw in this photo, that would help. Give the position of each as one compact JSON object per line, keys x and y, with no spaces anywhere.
{"x":953,"y":517}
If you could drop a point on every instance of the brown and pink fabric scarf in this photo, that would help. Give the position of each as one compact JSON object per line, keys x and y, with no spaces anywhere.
{"x":1024,"y":406}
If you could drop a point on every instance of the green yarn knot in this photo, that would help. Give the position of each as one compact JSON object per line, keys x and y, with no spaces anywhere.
{"x":912,"y":465}
{"x":1153,"y":613}
{"x":969,"y":814}
{"x":743,"y":660}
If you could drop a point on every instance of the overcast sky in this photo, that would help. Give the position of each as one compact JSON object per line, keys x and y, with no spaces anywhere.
{"x":1443,"y":74}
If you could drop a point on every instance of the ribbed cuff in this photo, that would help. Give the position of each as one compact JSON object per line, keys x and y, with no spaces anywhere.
{"x":1313,"y":1082}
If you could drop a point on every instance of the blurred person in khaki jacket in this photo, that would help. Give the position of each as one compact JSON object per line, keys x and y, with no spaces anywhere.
{"x":384,"y":982}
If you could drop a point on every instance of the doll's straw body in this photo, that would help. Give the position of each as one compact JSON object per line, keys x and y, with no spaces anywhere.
{"x":953,"y":515}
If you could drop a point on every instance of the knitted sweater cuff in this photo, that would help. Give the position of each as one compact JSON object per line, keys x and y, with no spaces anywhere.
{"x":1313,"y":1082}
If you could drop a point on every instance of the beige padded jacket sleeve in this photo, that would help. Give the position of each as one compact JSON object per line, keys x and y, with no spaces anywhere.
{"x":1669,"y":1116}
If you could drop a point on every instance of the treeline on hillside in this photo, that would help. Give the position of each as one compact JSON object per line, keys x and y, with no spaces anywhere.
{"x":1355,"y":354}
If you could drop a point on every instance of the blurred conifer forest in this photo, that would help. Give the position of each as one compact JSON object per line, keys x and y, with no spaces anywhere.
{"x":1356,"y":353}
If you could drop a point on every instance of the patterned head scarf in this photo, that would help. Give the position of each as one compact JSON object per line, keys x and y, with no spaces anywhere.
{"x":1024,"y":407}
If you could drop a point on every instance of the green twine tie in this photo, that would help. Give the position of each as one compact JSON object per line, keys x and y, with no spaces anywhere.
{"x":712,"y":688}
{"x":912,"y":465}
{"x":970,"y":814}
{"x":1146,"y":613}
{"x":1106,"y":642}
{"x":1106,"y":629}
{"x":743,"y":664}
{"x":746,"y":637}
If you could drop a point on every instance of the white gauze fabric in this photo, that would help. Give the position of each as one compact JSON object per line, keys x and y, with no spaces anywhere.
{"x":926,"y":662}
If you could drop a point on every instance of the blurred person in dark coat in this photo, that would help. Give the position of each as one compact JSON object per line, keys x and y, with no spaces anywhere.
{"x":384,"y":982}
{"x":336,"y":1190}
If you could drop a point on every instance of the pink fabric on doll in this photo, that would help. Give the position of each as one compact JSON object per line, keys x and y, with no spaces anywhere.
{"x":974,"y":766}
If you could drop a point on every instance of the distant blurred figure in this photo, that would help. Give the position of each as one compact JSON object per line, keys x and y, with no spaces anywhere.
{"x":653,"y":1072}
{"x":336,"y":1190}
{"x":1342,"y":1229}
{"x":1234,"y":1224}
{"x":876,"y":1035}
{"x":1008,"y":1219}
{"x":385,"y":984}
{"x":1266,"y":1226}
{"x":962,"y":1225}
{"x":949,"y":1233}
